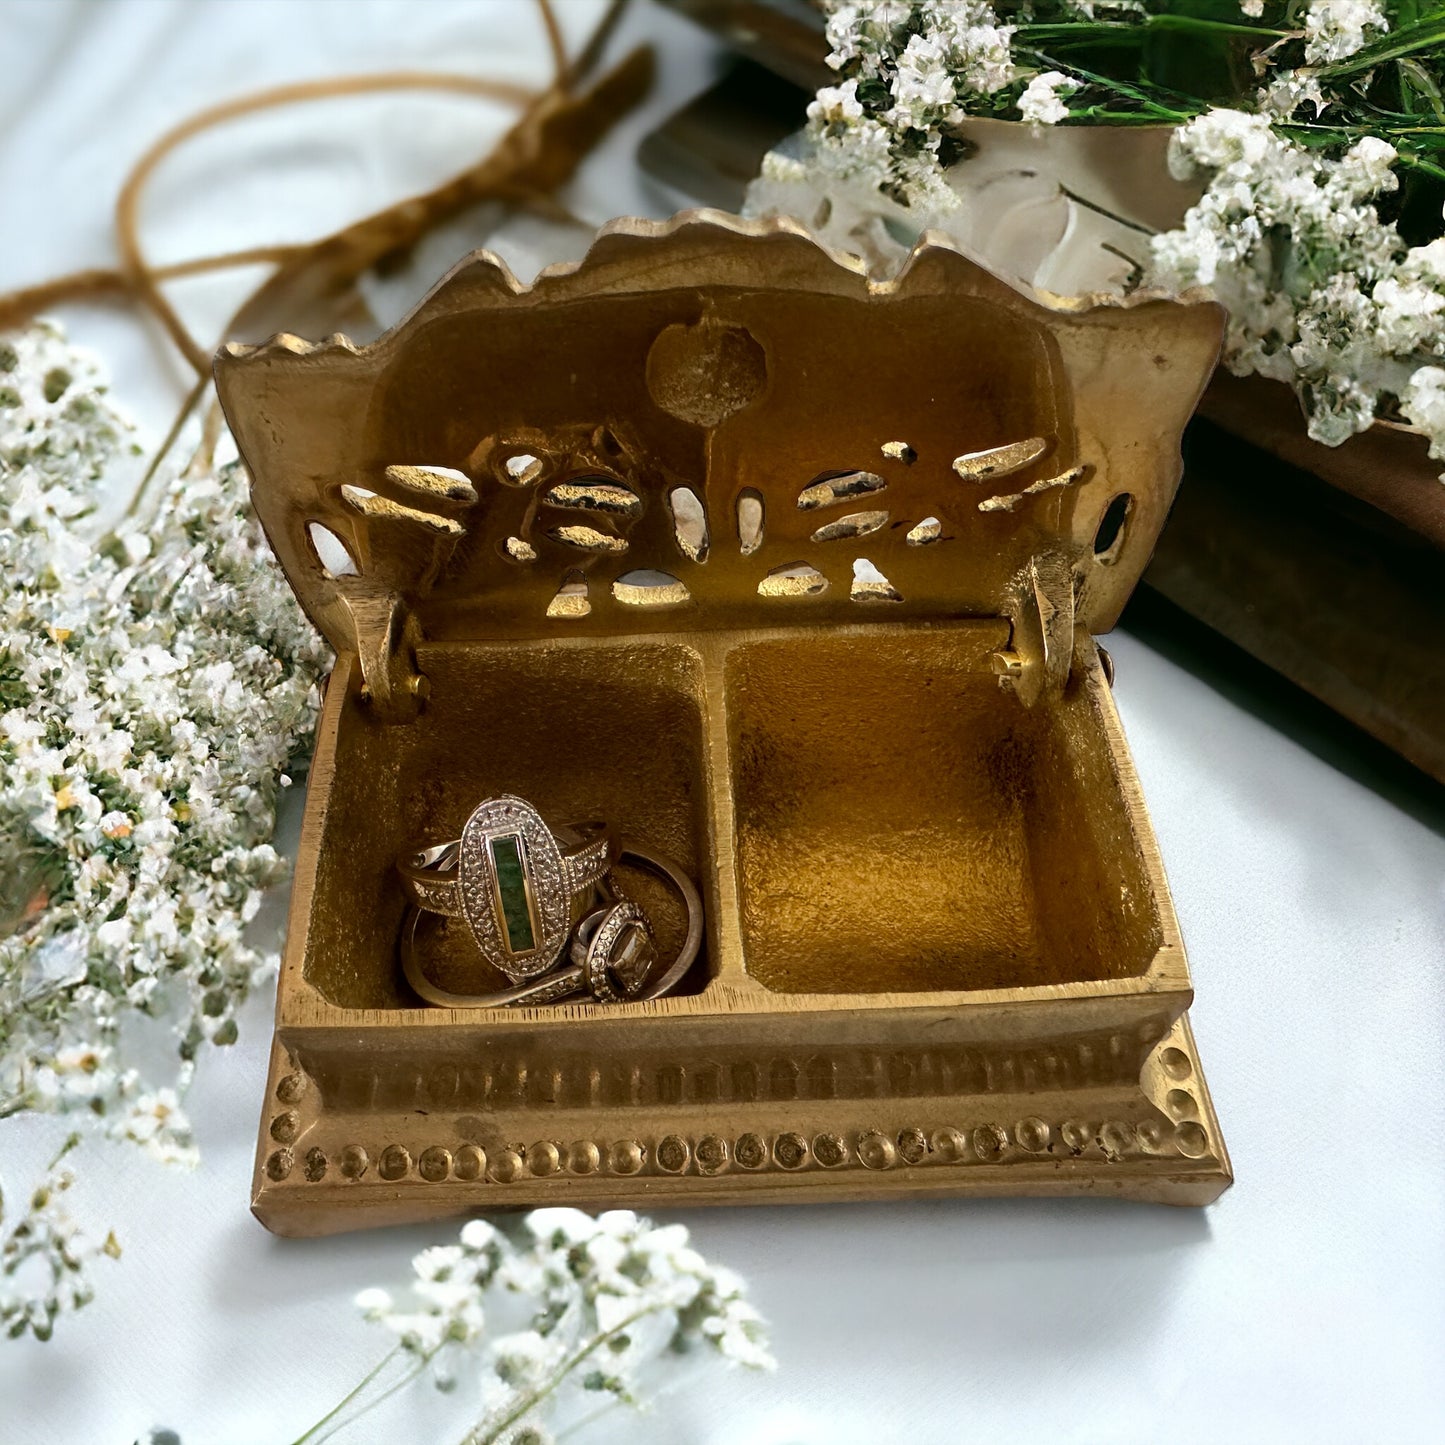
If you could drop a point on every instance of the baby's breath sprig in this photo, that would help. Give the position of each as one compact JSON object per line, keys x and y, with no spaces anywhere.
{"x":45,"y":1259}
{"x":158,"y":685}
{"x":1316,"y":127}
{"x":604,"y":1301}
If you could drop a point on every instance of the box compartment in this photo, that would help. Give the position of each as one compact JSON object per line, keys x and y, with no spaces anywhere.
{"x":611,"y":730}
{"x":902,"y":828}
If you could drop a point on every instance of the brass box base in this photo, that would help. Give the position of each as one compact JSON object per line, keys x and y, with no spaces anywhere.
{"x":940,"y":958}
{"x":622,"y":543}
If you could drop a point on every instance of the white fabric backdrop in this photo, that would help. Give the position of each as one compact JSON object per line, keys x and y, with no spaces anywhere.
{"x":1308,"y":1305}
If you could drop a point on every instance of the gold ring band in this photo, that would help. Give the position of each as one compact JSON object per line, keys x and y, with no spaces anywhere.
{"x":519,"y":884}
{"x":578,"y":976}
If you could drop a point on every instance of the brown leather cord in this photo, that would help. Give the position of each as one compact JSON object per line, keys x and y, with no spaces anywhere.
{"x":17,"y":307}
{"x":538,"y":154}
{"x":558,"y":46}
{"x":133,"y":265}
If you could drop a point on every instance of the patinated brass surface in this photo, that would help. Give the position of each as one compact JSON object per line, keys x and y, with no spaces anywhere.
{"x":940,"y":954}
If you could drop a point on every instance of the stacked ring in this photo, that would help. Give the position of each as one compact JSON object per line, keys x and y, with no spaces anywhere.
{"x":523,"y":891}
{"x":519,"y":886}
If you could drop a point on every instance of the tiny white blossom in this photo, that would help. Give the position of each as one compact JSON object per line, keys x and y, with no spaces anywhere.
{"x":153,"y":685}
{"x":1336,"y":29}
{"x":1287,"y":91}
{"x":738,"y":1335}
{"x":373,"y":1303}
{"x":1041,"y":102}
{"x":1321,"y":292}
{"x":571,"y":1225}
{"x":926,"y":58}
{"x":522,"y":1360}
{"x":437,"y":1263}
{"x":836,"y":104}
{"x":1423,"y":403}
{"x":922,"y":87}
{"x":608,"y":1294}
{"x":157,"y":1123}
{"x":477,"y":1235}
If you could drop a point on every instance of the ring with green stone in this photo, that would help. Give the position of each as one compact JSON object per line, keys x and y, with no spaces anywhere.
{"x":520,"y":885}
{"x":613,"y":953}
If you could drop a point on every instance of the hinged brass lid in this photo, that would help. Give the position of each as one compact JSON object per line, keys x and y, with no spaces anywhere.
{"x":718,"y":423}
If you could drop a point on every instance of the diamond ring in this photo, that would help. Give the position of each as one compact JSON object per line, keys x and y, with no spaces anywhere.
{"x":520,"y":886}
{"x":613,"y":953}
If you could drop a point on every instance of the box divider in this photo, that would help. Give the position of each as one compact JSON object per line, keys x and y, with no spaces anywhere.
{"x":721,"y":891}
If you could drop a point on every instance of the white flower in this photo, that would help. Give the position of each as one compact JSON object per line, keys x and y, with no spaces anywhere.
{"x":1335,"y":29}
{"x":1040,"y":103}
{"x":836,"y":104}
{"x":922,"y":87}
{"x":523,"y":1359}
{"x":738,"y":1333}
{"x":153,"y":688}
{"x":1287,"y":91}
{"x":422,"y":1332}
{"x":1364,"y":169}
{"x":157,"y":1123}
{"x":607,"y":1296}
{"x":857,"y":33}
{"x":437,"y":1263}
{"x":477,"y":1235}
{"x":1423,"y":404}
{"x":569,"y":1225}
{"x":373,"y":1303}
{"x":978,"y":46}
{"x":926,"y":58}
{"x":45,"y":1259}
{"x":1410,"y":315}
{"x":1321,"y":292}
{"x":863,"y":149}
{"x":1220,"y":140}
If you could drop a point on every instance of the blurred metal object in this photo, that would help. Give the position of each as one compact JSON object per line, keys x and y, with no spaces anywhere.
{"x":710,"y":150}
{"x":785,"y":36}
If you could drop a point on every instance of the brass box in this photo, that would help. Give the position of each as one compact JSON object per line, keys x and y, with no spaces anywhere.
{"x":813,"y":612}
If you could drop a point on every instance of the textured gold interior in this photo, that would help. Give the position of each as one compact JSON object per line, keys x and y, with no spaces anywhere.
{"x":898,"y":828}
{"x":518,"y":462}
{"x":901,"y":823}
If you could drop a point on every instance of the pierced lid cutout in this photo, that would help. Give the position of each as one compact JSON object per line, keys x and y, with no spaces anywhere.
{"x":715,"y":423}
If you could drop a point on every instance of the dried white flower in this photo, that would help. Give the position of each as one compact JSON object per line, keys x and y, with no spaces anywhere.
{"x":154,"y":686}
{"x":1287,"y":91}
{"x":45,"y":1259}
{"x":918,"y":62}
{"x":1423,"y":403}
{"x":1336,"y":29}
{"x":1042,"y":103}
{"x":1321,"y":292}
{"x":923,"y":90}
{"x":977,"y":46}
{"x":836,"y":104}
{"x":607,"y":1294}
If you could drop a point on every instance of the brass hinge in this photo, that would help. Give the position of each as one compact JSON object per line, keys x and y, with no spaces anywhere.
{"x":387,"y":636}
{"x":405,"y":546}
{"x":1041,"y":644}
